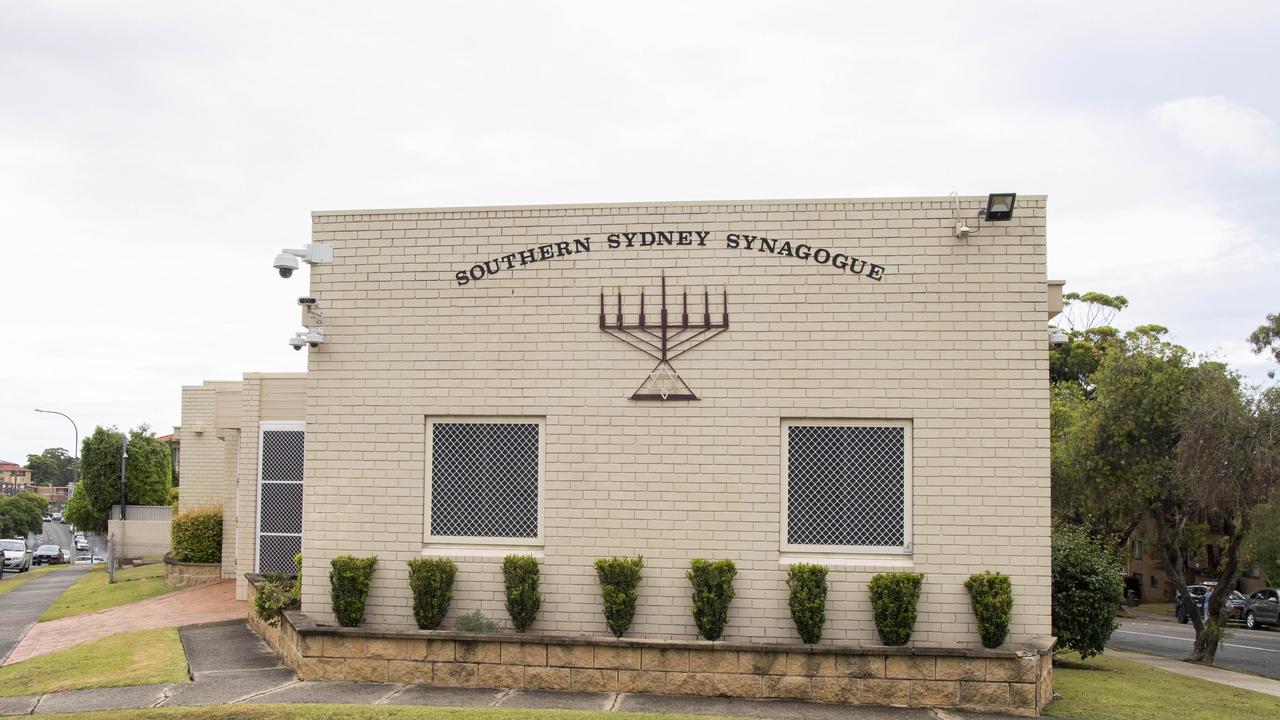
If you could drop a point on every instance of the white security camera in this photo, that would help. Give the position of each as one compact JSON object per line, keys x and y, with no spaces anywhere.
{"x":297,"y":343}
{"x":286,"y":264}
{"x":287,"y":260}
{"x":315,"y":338}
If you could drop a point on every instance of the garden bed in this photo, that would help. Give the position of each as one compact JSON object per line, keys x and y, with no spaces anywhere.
{"x":1015,"y":680}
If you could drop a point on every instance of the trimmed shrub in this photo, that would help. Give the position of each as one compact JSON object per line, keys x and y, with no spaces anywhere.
{"x":1087,"y":588}
{"x":195,"y":536}
{"x":476,"y":622}
{"x":807,"y":595}
{"x":431,"y":581}
{"x":712,"y":592}
{"x":520,"y":575}
{"x":273,"y":598}
{"x":349,"y":581}
{"x":619,"y":577}
{"x":894,"y":597}
{"x":991,"y":595}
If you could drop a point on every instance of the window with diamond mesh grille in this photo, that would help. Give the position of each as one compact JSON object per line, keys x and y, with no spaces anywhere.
{"x":484,"y":480}
{"x":846,"y":485}
{"x":280,"y":500}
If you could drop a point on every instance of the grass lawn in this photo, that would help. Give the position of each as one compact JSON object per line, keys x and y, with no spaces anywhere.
{"x":13,"y":581}
{"x":362,"y":712}
{"x":1105,"y":688}
{"x":137,"y":658}
{"x":92,"y":592}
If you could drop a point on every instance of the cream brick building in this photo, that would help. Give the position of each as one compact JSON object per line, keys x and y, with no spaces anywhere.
{"x":462,"y":340}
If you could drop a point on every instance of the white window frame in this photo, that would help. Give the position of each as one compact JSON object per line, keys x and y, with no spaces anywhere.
{"x":263,"y":427}
{"x":456,"y":540}
{"x":897,"y":551}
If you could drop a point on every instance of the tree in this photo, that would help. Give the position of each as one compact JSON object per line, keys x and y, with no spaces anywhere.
{"x":1267,"y":339}
{"x":1227,"y":464}
{"x":1262,"y":543}
{"x":20,"y":515}
{"x":1086,"y":590}
{"x":54,"y":466}
{"x":1087,"y":321}
{"x":147,"y":476}
{"x":1113,"y":443}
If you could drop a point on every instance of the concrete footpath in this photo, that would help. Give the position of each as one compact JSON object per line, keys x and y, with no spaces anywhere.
{"x":20,"y":608}
{"x":231,"y":665}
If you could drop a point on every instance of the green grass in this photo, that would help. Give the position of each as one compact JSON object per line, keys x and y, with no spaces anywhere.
{"x":363,"y":712}
{"x":92,"y":592}
{"x":13,"y":581}
{"x":1106,"y":688}
{"x":137,"y":658}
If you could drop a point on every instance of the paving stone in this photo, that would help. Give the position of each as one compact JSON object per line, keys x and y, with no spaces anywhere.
{"x":329,"y":692}
{"x":101,"y":699}
{"x":220,"y":688}
{"x":445,"y":697}
{"x":557,"y":699}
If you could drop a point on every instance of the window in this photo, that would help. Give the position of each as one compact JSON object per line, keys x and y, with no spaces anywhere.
{"x":1154,"y":581}
{"x":847,"y":486}
{"x":484,"y":481}
{"x":1136,"y":546}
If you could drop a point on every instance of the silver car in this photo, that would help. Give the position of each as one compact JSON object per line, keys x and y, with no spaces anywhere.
{"x":16,"y":555}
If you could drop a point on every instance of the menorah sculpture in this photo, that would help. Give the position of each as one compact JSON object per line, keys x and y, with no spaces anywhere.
{"x":665,"y":341}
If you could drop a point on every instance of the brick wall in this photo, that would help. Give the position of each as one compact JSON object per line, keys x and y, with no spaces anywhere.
{"x":951,"y":339}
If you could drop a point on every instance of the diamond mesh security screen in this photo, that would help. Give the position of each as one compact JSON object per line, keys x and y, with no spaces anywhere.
{"x":280,"y":500}
{"x":484,"y":480}
{"x":846,"y":485}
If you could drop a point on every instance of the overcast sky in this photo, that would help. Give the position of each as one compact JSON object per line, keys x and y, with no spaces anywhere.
{"x":155,"y":156}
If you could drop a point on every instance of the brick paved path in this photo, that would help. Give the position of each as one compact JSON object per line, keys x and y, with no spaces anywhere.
{"x":200,"y":604}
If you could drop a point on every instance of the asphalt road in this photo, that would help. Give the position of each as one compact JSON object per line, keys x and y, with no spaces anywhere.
{"x":60,"y":534}
{"x":20,"y":608}
{"x":1255,"y":651}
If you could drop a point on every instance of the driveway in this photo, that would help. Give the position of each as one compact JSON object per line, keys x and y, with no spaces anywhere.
{"x":1254,"y":651}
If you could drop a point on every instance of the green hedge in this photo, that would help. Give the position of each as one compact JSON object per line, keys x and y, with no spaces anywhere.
{"x":273,"y":598}
{"x":712,"y":592}
{"x":1087,"y":588}
{"x":894,"y":597}
{"x":349,"y":581}
{"x":520,"y":576}
{"x":807,"y":595}
{"x":619,"y":577}
{"x":991,"y":595}
{"x":431,"y":582}
{"x":196,"y":536}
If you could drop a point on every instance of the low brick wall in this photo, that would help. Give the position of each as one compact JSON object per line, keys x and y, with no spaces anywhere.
{"x":1017,"y":682}
{"x":182,"y":574}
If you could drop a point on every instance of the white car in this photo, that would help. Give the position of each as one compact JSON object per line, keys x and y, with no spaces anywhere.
{"x":81,"y":544}
{"x":16,"y":555}
{"x":89,"y":559}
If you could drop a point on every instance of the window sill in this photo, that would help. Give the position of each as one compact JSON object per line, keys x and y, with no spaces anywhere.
{"x":481,"y":551}
{"x":853,"y":562}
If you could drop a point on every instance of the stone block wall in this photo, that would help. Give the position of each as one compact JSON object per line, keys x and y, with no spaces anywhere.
{"x":1017,"y":682}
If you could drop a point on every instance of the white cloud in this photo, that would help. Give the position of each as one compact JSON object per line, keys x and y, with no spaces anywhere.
{"x":1222,"y":129}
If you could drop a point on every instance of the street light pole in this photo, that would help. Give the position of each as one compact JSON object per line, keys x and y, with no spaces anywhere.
{"x":75,"y":471}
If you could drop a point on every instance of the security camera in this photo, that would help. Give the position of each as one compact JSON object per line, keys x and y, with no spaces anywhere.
{"x":315,"y":338}
{"x":297,"y":343}
{"x":286,"y":264}
{"x":309,"y":301}
{"x":287,"y":260}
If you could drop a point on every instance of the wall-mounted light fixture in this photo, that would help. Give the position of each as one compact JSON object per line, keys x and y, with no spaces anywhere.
{"x":1000,"y":206}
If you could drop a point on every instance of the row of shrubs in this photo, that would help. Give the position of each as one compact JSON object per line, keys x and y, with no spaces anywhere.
{"x":894,"y":596}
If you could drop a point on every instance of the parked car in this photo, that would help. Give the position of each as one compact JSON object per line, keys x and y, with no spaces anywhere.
{"x":89,"y":559}
{"x":66,"y":555}
{"x":81,"y":544}
{"x":1234,"y":610}
{"x":16,"y":555}
{"x":47,"y":555}
{"x":57,"y":517}
{"x":1197,"y":597}
{"x":47,"y":517}
{"x":1263,"y":608}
